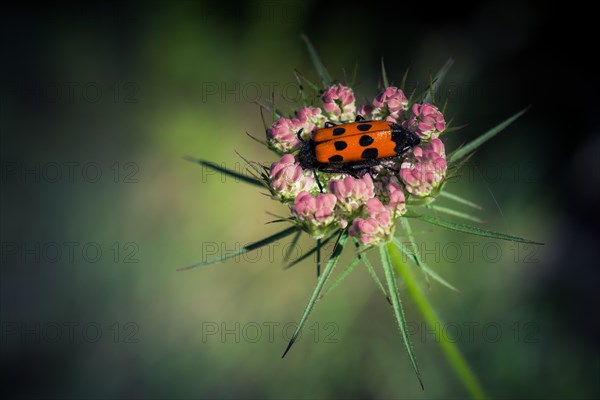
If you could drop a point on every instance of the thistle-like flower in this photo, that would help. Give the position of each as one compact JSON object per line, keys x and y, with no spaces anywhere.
{"x":366,"y":178}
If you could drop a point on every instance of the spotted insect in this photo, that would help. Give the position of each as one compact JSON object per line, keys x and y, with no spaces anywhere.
{"x":355,"y":148}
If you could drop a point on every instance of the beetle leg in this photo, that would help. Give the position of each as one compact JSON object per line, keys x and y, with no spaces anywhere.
{"x":358,"y":173}
{"x":359,"y":118}
{"x":329,"y":124}
{"x":300,"y":133}
{"x":318,"y":181}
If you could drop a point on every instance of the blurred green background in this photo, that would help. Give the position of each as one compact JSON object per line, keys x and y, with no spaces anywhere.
{"x":98,"y":209}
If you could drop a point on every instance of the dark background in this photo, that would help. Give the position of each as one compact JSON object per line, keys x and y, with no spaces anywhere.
{"x":100,"y":101}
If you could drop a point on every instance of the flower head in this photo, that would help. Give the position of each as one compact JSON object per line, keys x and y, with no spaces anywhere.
{"x":283,"y":135}
{"x":389,"y":104}
{"x":377,"y":227}
{"x":308,"y":119}
{"x":355,"y":179}
{"x":313,"y":115}
{"x":396,"y":197}
{"x":425,"y":173}
{"x":365,"y":111}
{"x":426,"y":121}
{"x":351,"y":192}
{"x":315,"y":214}
{"x":338,"y":103}
{"x":287,"y":178}
{"x":367,"y":205}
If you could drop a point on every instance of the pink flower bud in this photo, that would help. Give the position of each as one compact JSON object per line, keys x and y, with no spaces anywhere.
{"x":315,"y":214}
{"x":426,"y":121}
{"x":426,"y":171}
{"x":287,"y":178}
{"x":311,"y":114}
{"x":283,"y":135}
{"x":309,"y":119}
{"x":397,"y":199}
{"x":365,"y":111}
{"x":377,"y":227}
{"x":351,"y":192}
{"x":338,"y":103}
{"x":390,"y":104}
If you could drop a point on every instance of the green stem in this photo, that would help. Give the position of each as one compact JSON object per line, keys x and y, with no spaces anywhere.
{"x":450,"y":350}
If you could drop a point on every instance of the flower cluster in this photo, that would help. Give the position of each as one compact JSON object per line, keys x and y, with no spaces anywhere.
{"x":283,"y":134}
{"x":376,"y":227}
{"x":423,"y":173}
{"x":287,"y":179}
{"x":338,"y":103}
{"x":367,"y":204}
{"x":426,"y":120}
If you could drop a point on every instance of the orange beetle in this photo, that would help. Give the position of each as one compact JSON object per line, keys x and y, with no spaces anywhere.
{"x":354,"y":148}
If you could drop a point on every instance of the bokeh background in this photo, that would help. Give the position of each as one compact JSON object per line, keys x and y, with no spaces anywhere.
{"x":100,"y":102}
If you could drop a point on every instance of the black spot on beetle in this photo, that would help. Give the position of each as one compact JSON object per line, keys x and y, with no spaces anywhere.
{"x":364,"y":127}
{"x":369,"y":154}
{"x":366,"y":140}
{"x":338,"y":131}
{"x":340,"y":145}
{"x":336,"y":158}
